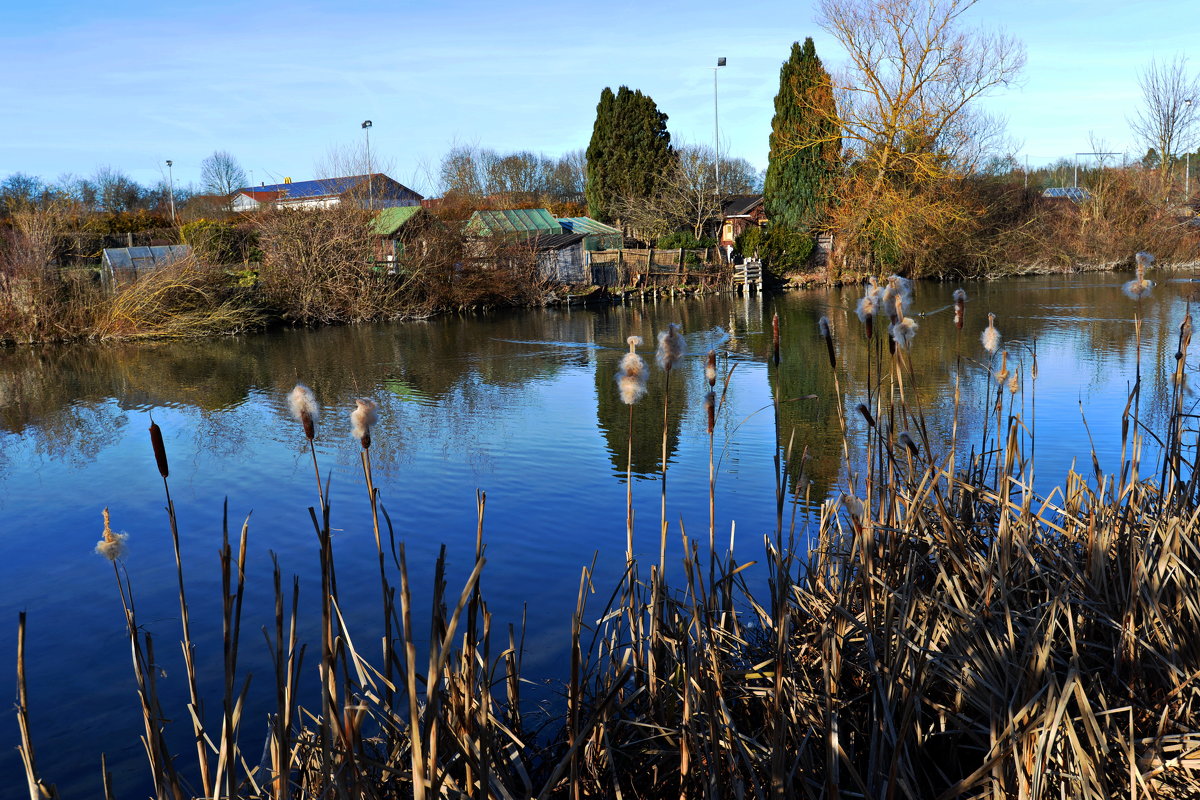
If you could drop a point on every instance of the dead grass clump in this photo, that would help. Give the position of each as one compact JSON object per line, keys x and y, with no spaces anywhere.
{"x":180,"y":299}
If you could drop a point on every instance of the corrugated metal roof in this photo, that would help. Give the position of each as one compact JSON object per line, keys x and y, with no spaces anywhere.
{"x":587,"y":225}
{"x":143,"y":257}
{"x":389,"y":221}
{"x":513,"y":220}
{"x":556,"y":241}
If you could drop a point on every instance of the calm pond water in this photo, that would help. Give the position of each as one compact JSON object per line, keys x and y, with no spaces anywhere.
{"x":522,"y":406}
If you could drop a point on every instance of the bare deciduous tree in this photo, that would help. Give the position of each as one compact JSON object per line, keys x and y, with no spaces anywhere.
{"x":1170,"y":108}
{"x":686,"y":198}
{"x":906,"y":101}
{"x":221,"y":174}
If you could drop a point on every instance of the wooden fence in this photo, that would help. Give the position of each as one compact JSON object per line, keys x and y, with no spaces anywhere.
{"x":656,"y":268}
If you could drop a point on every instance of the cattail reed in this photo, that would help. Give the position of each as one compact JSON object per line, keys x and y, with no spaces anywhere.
{"x":632,"y":374}
{"x":710,"y":410}
{"x":1002,"y":373}
{"x":828,"y":337}
{"x":909,"y":444}
{"x":303,"y":404}
{"x":990,"y":336}
{"x":631,"y":383}
{"x":903,"y":332}
{"x":160,"y":451}
{"x":775,"y":338}
{"x":671,"y":347}
{"x":111,"y":545}
{"x":710,"y":369}
{"x":960,"y":307}
{"x":1140,"y":287}
{"x":364,"y":415}
{"x":866,"y":313}
{"x":1013,"y":384}
{"x":866,"y":414}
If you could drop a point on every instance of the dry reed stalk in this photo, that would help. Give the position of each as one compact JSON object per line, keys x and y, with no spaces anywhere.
{"x":189,"y":649}
{"x":38,"y":789}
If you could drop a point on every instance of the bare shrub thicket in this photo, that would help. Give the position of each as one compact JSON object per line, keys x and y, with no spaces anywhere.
{"x":1019,"y":230}
{"x":37,"y":302}
{"x":324,"y":266}
{"x":318,"y":267}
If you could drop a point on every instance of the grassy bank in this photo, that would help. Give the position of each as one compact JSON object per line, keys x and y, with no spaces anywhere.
{"x":939,"y":630}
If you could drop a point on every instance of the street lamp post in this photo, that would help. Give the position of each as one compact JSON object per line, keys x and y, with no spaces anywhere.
{"x":717,"y":129}
{"x":171,"y":188}
{"x":370,"y":178}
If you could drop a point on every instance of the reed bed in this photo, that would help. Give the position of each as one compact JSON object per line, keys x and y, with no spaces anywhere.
{"x":941,"y":631}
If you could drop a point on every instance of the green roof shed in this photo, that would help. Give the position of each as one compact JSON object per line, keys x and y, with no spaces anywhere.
{"x":597,"y":235}
{"x":523,"y":221}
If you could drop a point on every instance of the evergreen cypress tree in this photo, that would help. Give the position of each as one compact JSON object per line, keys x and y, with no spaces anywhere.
{"x":806,"y":148}
{"x":629,"y":151}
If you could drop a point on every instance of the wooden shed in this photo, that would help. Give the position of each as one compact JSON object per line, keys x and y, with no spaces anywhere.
{"x":560,"y":257}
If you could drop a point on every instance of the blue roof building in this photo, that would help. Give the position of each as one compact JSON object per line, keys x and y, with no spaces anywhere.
{"x":369,"y":191}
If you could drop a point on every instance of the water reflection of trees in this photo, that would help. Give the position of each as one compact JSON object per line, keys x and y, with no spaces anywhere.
{"x":437,"y":380}
{"x":1086,"y":321}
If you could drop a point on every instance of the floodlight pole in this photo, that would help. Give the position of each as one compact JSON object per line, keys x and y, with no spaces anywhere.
{"x":171,"y":188}
{"x":717,"y":129}
{"x":370,"y":178}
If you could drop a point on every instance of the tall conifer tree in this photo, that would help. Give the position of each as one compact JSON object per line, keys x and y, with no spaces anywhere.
{"x":806,"y":147}
{"x":629,"y":151}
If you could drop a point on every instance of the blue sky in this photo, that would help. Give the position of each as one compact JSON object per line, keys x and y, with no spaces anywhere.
{"x":130,"y":84}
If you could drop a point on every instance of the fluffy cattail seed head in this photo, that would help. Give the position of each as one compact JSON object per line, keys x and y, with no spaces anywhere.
{"x":111,"y":545}
{"x":710,"y":369}
{"x":671,"y":347}
{"x":364,"y":415}
{"x":160,"y":451}
{"x":1013,"y":384}
{"x":960,"y":307}
{"x":632,"y":374}
{"x":903,"y":332}
{"x":990,"y":336}
{"x":854,"y":506}
{"x":303,"y":404}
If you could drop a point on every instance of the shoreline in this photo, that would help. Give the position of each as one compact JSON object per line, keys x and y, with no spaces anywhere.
{"x":597,"y":297}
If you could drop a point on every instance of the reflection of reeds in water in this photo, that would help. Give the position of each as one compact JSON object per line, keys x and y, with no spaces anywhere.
{"x":949,"y":634}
